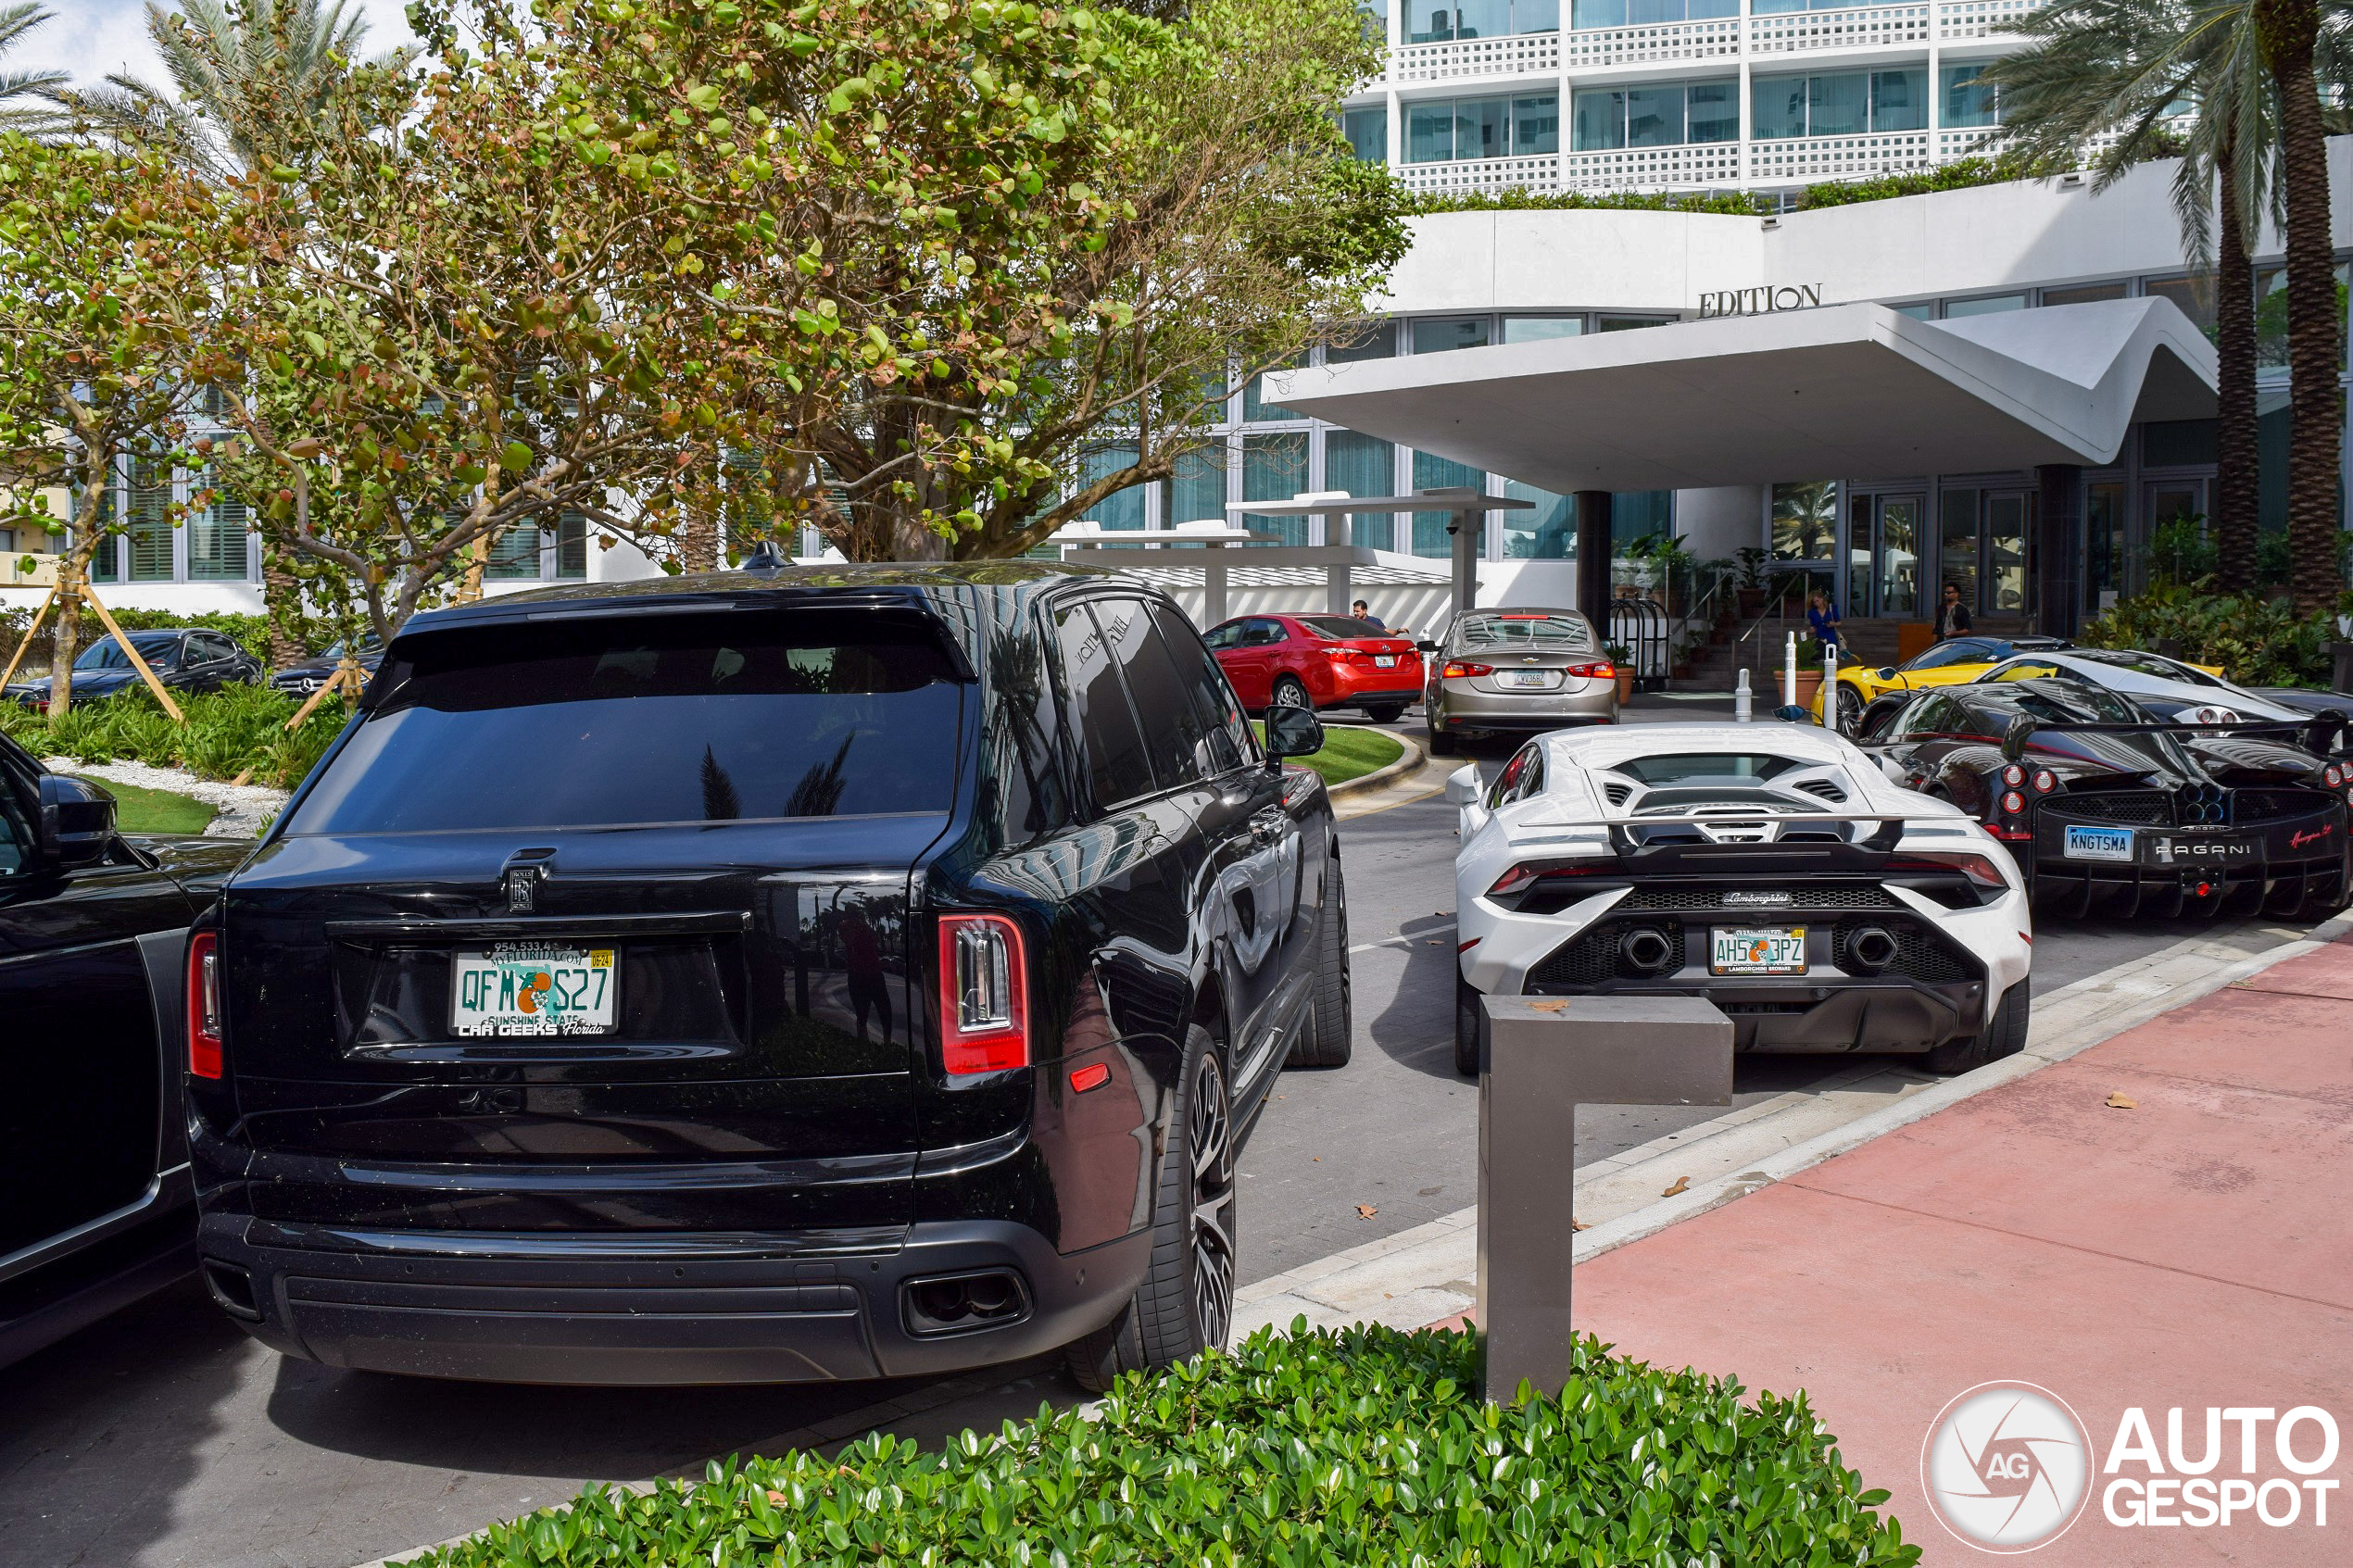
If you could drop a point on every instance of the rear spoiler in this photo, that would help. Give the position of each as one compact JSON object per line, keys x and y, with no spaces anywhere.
{"x":2314,"y":734}
{"x":1890,"y":828}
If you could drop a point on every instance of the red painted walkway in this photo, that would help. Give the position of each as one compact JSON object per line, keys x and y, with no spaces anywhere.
{"x":2194,"y":1251}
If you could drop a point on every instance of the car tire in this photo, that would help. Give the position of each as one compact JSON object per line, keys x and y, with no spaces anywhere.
{"x":1330,"y":1038}
{"x":1385,"y":712}
{"x":1289,"y":691}
{"x":1186,"y":1302}
{"x":2006,"y":1035}
{"x":1850,"y":709}
{"x":1469,"y":1019}
{"x":1442,"y":740}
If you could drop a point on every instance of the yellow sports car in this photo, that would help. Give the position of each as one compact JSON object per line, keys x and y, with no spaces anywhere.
{"x":1946,"y":663}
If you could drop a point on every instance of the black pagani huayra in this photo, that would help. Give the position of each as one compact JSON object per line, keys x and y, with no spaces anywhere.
{"x":2109,"y":810}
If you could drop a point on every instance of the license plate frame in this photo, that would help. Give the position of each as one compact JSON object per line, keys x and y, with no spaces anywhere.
{"x":493,"y":994}
{"x":1770,"y":947}
{"x":1529,"y":680}
{"x":2114,"y":846}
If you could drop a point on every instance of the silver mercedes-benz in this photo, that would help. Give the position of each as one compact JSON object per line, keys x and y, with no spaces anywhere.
{"x":1517,"y":671}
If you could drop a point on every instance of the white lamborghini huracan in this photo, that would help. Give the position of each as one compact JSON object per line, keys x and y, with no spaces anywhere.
{"x":1769,"y":867}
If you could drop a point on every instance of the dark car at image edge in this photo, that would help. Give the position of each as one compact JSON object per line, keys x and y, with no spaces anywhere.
{"x":182,"y":659}
{"x":787,"y":975}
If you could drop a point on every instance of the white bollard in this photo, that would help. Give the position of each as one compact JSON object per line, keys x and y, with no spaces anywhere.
{"x":1829,"y":685}
{"x":1744,"y":700}
{"x":1789,"y":673}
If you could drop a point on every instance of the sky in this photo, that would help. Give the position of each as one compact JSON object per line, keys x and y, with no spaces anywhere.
{"x":91,"y":38}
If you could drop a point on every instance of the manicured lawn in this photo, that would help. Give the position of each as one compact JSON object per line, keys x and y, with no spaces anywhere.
{"x":1348,"y":754}
{"x":155,"y":811}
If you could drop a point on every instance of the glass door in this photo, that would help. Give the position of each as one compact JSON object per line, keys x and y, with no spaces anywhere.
{"x":2105,"y":553}
{"x":1956,"y":550}
{"x":1895,"y":555}
{"x":2164,"y":501}
{"x":2008,"y":525}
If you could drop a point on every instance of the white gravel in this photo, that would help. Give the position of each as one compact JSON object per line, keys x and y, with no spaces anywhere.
{"x":243,"y":807}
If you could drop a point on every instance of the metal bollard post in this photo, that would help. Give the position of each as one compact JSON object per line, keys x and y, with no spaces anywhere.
{"x":1789,"y":673}
{"x":1744,"y":700}
{"x":1829,"y":685}
{"x":1544,"y":1056}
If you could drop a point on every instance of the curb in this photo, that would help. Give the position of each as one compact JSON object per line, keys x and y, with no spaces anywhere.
{"x":1410,"y":760}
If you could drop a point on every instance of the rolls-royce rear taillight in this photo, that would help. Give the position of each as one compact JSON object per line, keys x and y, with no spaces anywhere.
{"x":204,"y":1004}
{"x":984,"y":994}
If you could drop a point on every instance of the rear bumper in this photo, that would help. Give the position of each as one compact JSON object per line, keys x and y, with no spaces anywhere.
{"x":1458,"y":707}
{"x":649,"y":1308}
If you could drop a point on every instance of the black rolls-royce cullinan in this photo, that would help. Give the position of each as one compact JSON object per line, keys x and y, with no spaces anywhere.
{"x":774,"y":975}
{"x":98,"y":1206}
{"x":2108,"y":809}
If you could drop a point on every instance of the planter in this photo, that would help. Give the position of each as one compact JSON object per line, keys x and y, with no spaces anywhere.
{"x":1625,"y":684}
{"x":1808,"y":683}
{"x":1752,"y":601}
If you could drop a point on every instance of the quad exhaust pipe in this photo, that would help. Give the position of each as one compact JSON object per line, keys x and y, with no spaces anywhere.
{"x":965,"y":1301}
{"x":1646,"y":950}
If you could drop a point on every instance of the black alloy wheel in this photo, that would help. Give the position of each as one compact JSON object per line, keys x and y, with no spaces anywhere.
{"x":1470,"y":1018}
{"x":1210,"y":1200}
{"x":1330,"y":1039}
{"x":1441,"y":739}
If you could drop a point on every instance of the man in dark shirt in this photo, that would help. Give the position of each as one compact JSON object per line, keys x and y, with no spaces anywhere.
{"x":1952,"y":621}
{"x":1364,"y":613}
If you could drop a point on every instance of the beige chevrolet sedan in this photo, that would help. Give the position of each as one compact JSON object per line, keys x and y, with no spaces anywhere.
{"x":1517,"y":671}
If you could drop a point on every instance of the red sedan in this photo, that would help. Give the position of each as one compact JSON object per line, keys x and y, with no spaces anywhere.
{"x":1317,"y":661}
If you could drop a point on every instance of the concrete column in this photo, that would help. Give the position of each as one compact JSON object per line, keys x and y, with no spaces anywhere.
{"x":2059,"y":549}
{"x":1544,"y":1056}
{"x":1593,"y":556}
{"x":1213,"y":586}
{"x":1464,"y":529}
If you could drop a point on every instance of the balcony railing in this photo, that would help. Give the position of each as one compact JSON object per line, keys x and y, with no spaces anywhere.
{"x":1593,"y":46}
{"x":1806,"y":158}
{"x":1859,"y":27}
{"x":1535,"y":173}
{"x":1958,"y":20}
{"x":1707,"y":163}
{"x":1525,"y":54}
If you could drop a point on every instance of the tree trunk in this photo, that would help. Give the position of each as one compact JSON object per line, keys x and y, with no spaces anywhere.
{"x":2238,"y":507}
{"x":64,"y":632}
{"x":698,"y":542}
{"x":2316,"y":422}
{"x":282,"y":605}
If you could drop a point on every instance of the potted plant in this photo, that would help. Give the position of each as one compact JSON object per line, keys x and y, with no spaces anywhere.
{"x":1749,"y":585}
{"x":1809,"y":674}
{"x":1621,"y":659}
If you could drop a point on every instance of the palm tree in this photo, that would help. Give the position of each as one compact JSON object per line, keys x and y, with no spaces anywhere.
{"x":17,"y":85}
{"x":2123,"y":70}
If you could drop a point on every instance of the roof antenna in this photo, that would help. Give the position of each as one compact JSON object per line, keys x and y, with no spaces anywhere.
{"x":767,"y":557}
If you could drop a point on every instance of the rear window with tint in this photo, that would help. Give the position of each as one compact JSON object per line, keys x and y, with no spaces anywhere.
{"x":1338,"y":628}
{"x":1548,"y":630}
{"x":629,"y":721}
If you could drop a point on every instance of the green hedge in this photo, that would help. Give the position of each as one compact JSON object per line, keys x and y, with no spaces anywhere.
{"x":250,"y":631}
{"x":1340,"y":1450}
{"x":1734,"y":204}
{"x":240,"y":729}
{"x":2255,"y":642}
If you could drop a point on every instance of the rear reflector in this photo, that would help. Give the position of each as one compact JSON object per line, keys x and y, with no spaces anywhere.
{"x":204,"y":1004}
{"x":1092,"y":1076}
{"x":984,"y":994}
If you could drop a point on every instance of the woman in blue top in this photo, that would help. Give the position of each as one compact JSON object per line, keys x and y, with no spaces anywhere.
{"x":1823,"y":617}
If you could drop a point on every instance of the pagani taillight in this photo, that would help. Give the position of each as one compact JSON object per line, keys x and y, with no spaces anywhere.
{"x":204,"y":1005}
{"x":2332,"y":775}
{"x":984,"y":994}
{"x":2044,"y":781}
{"x":2014,"y":775}
{"x":2013,"y":803}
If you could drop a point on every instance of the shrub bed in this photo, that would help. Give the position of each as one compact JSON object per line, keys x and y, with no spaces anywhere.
{"x":1346,"y":1448}
{"x":2255,"y":642}
{"x":238,"y":730}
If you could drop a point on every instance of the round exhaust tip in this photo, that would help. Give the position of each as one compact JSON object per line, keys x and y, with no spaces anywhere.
{"x":1871,"y":949}
{"x":1646,"y":949}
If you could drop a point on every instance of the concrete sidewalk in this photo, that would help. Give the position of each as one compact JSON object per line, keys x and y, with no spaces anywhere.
{"x":2160,"y":1221}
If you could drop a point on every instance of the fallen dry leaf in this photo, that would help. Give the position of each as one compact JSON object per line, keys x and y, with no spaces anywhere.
{"x":1578,"y":1225}
{"x":1682,"y":1184}
{"x":1364,"y":1211}
{"x":1555,"y":1005}
{"x":2119,"y":1101}
{"x":778,"y":1498}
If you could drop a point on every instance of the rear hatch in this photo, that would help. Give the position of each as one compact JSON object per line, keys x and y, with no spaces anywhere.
{"x":603,"y":921}
{"x":1364,"y":651}
{"x":1510,"y":651}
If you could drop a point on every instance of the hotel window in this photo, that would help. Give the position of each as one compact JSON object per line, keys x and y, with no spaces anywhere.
{"x":1448,"y":131}
{"x":1196,"y":488}
{"x":2193,"y":296}
{"x":148,"y":514}
{"x":217,"y":546}
{"x":1376,"y":340}
{"x":2084,"y":294}
{"x":1658,"y":114}
{"x":1969,"y":99}
{"x":1990,"y":305}
{"x":1547,"y":534}
{"x":1362,"y":465}
{"x":1627,"y":324}
{"x":1480,"y":19}
{"x":1536,"y":329}
{"x":1121,"y":509}
{"x":1839,"y":104}
{"x":571,"y":547}
{"x":1274,"y":468}
{"x":514,"y":555}
{"x":1434,"y":472}
{"x":1645,"y":13}
{"x":1256,"y":406}
{"x":1368,"y":133}
{"x":1435,"y":334}
{"x":521,"y":554}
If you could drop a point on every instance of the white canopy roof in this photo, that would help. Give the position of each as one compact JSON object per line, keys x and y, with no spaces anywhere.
{"x":1854,"y":390}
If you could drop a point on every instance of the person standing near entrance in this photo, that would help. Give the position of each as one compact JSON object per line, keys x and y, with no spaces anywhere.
{"x":1952,"y":619}
{"x":1822,"y":616}
{"x":1364,"y":613}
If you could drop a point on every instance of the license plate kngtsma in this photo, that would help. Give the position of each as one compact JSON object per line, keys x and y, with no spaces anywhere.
{"x":1778,"y":949}
{"x":522,"y":989}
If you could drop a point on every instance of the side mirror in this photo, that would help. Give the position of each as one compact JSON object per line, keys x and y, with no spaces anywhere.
{"x":2014,"y":739}
{"x":1293,"y":732}
{"x":77,"y":822}
{"x":1461,"y":785}
{"x":1887,"y":671}
{"x":1425,"y":645}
